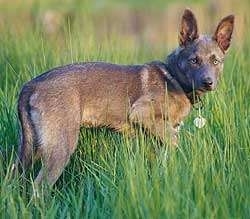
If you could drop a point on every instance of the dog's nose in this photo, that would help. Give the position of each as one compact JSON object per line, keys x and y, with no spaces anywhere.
{"x":208,"y":82}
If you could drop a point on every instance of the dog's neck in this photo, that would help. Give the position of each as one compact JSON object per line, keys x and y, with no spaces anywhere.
{"x":170,"y":74}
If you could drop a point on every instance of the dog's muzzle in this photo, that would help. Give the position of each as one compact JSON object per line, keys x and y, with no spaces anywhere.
{"x":208,"y":84}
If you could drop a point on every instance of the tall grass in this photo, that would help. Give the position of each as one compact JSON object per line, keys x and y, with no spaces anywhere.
{"x":112,"y":176}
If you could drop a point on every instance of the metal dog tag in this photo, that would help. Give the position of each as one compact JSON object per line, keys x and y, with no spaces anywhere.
{"x":200,"y":122}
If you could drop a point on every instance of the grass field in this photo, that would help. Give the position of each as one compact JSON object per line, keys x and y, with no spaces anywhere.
{"x":111,"y":176}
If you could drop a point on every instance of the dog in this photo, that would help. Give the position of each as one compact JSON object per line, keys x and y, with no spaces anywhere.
{"x":157,"y":96}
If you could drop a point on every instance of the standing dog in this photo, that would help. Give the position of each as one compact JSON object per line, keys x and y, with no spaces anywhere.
{"x":156,"y":95}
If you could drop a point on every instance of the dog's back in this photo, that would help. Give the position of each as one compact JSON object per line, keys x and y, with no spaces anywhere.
{"x":104,"y":91}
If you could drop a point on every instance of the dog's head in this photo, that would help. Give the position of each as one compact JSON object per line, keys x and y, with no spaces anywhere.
{"x":199,"y":59}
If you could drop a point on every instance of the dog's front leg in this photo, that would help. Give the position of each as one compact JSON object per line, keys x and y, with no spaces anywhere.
{"x":162,"y":130}
{"x":143,"y":113}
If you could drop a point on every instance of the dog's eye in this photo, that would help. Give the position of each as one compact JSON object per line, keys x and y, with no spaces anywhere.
{"x":194,"y":60}
{"x":215,"y":62}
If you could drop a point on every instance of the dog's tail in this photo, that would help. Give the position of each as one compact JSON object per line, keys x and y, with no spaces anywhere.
{"x":26,"y":141}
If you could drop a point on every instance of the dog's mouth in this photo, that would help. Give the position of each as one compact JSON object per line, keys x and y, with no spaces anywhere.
{"x":209,"y":88}
{"x":205,"y":89}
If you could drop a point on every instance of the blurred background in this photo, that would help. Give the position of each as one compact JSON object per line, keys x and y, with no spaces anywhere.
{"x":151,"y":23}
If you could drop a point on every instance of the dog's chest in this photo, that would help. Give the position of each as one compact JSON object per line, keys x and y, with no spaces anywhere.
{"x":179,"y":107}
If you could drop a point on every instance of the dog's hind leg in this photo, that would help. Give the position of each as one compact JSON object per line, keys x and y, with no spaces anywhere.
{"x":58,"y":140}
{"x":56,"y":158}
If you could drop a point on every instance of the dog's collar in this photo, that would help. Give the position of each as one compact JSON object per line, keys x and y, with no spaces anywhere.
{"x":196,"y":100}
{"x":194,"y":97}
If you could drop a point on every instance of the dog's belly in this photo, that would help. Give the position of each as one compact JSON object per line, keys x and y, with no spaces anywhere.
{"x":114,"y":116}
{"x":90,"y":118}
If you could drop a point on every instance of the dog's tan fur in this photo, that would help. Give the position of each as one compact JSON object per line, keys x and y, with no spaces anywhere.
{"x":53,"y":106}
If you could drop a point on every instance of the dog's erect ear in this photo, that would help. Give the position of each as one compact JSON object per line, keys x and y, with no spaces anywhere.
{"x":223,"y":33}
{"x":188,"y":29}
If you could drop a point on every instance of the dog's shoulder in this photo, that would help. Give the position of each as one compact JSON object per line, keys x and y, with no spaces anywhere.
{"x":152,"y":78}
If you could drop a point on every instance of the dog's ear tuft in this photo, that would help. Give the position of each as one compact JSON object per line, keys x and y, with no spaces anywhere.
{"x":188,"y":29}
{"x":223,"y":33}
